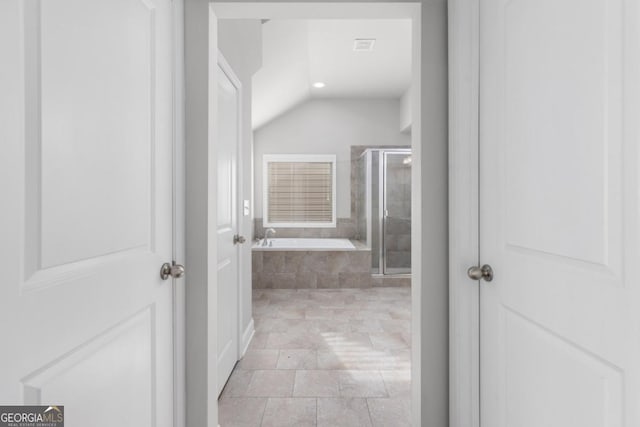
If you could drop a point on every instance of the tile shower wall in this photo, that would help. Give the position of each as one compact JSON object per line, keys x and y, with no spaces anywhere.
{"x":358,"y":197}
{"x":345,"y":229}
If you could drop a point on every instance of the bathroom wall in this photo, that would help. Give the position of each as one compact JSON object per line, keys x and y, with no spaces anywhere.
{"x":328,"y":126}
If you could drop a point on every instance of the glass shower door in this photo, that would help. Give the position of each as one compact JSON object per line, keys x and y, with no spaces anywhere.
{"x":397,"y":213}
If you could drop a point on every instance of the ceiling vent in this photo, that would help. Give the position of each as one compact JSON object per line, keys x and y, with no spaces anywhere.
{"x":363,"y":45}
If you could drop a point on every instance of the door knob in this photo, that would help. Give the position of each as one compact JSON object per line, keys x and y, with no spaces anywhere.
{"x":485,"y":272}
{"x":238,"y":239}
{"x":171,"y":270}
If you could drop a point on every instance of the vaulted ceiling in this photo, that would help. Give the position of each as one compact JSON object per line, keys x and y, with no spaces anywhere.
{"x":298,"y":53}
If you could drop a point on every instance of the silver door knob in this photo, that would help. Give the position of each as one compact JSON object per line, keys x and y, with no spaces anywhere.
{"x":238,"y":239}
{"x":171,"y":270}
{"x":485,"y":273}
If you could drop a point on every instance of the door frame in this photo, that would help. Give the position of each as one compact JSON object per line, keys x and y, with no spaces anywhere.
{"x":430,"y":308}
{"x":179,"y":214}
{"x":464,"y":229}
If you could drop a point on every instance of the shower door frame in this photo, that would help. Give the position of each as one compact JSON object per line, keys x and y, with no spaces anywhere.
{"x":382,"y":204}
{"x":384,"y":211}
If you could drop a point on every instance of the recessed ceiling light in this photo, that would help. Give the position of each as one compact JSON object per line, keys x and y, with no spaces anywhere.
{"x":363,"y":45}
{"x":319,"y":85}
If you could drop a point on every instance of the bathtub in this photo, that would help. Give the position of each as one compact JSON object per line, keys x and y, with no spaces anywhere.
{"x":305,"y":244}
{"x":309,"y":263}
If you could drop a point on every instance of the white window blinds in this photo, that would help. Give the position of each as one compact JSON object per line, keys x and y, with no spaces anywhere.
{"x":300,"y":192}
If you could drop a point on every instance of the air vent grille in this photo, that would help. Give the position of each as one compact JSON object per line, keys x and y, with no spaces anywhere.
{"x":363,"y":45}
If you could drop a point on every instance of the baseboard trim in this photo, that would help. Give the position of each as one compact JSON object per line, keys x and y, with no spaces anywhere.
{"x":247,"y":336}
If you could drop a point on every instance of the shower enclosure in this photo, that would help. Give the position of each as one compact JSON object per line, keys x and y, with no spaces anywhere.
{"x":383,"y":208}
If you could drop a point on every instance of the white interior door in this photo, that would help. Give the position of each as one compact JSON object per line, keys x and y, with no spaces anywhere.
{"x":559,"y":196}
{"x":86,"y":222}
{"x":226,"y":150}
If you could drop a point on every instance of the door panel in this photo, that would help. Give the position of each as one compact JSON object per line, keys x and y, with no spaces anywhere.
{"x":87,"y":154}
{"x":579,"y":388}
{"x":91,"y":147}
{"x":558,"y":214}
{"x":227,"y":159}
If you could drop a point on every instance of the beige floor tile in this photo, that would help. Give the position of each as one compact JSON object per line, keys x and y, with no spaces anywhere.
{"x":258,"y":341}
{"x":321,"y":355}
{"x":292,"y":412}
{"x":292,"y":340}
{"x":397,"y":383}
{"x":311,"y":383}
{"x":332,"y":325}
{"x":365,"y":359}
{"x":237,"y":384}
{"x":373,"y":313}
{"x":297,"y":359}
{"x":400,"y":313}
{"x":287,"y":325}
{"x":241,"y":411}
{"x":396,"y":325}
{"x":357,"y":383}
{"x":366,"y":326}
{"x":259,"y":359}
{"x":271,"y":383}
{"x":344,"y":341}
{"x":319,"y":314}
{"x":390,"y":412}
{"x":402,"y":359}
{"x":389,"y":341}
{"x":340,"y":412}
{"x":291,"y":312}
{"x":345,"y":314}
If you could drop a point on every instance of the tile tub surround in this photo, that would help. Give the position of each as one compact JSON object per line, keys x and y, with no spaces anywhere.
{"x":289,"y":269}
{"x":314,"y":269}
{"x":324,"y":357}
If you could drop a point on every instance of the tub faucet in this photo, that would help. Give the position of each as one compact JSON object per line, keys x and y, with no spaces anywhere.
{"x":265,"y":242}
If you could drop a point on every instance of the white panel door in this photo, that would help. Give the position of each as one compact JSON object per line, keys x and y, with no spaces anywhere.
{"x":86,"y":219}
{"x":559,"y":197}
{"x":227,"y":143}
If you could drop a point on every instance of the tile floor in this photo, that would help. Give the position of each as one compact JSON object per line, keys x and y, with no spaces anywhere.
{"x":324,"y":357}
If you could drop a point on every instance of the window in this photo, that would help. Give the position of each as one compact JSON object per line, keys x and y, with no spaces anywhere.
{"x":299,"y":190}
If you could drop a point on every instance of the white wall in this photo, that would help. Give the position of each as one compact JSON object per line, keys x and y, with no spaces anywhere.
{"x":240,"y":41}
{"x":329,"y":126}
{"x":284,"y":42}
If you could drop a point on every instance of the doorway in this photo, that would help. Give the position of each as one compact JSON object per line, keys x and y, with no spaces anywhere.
{"x":428,"y":301}
{"x":332,"y":338}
